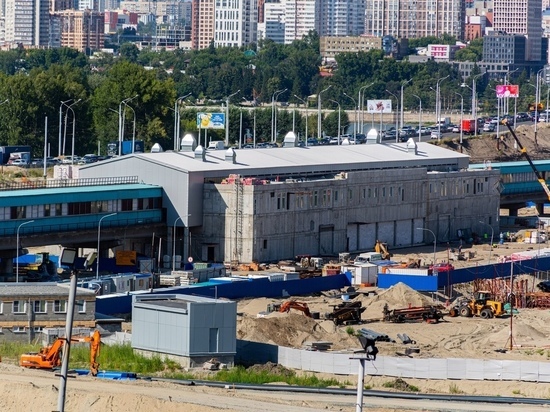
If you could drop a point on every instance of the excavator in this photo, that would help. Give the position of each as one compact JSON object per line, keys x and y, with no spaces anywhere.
{"x":49,"y":357}
{"x":294,"y":304}
{"x":539,"y":176}
{"x":382,"y":248}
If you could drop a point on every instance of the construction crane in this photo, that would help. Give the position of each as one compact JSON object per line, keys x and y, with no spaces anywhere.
{"x":49,"y":357}
{"x":539,"y":176}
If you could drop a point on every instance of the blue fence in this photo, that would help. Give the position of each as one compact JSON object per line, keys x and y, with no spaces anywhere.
{"x":416,"y":282}
{"x":119,"y":304}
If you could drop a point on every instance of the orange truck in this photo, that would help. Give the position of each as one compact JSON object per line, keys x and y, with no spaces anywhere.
{"x":468,"y":126}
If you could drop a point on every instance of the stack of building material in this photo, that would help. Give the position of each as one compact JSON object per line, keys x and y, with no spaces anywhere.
{"x":169,"y":280}
{"x":317,"y":346}
{"x":378,"y":337}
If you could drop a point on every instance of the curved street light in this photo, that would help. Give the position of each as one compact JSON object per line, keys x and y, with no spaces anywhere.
{"x":305,"y":104}
{"x":319,"y":126}
{"x":435,"y":239}
{"x":121,"y":123}
{"x":396,"y":118}
{"x":339,"y":119}
{"x":17,"y":252}
{"x":403,"y":84}
{"x":98,"y":240}
{"x":63,"y":103}
{"x":462,"y":117}
{"x":361,"y":103}
{"x":134,"y":131}
{"x":69,"y":107}
{"x":355,"y":127}
{"x":492,"y":237}
{"x":438,"y":105}
{"x":419,"y":118}
{"x":275,"y":134}
{"x":227,"y":116}
{"x":177,"y":120}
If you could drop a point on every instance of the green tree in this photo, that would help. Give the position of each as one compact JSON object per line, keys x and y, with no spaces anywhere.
{"x":473,"y":52}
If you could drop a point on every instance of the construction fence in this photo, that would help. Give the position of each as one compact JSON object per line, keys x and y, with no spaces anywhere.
{"x":430,"y":368}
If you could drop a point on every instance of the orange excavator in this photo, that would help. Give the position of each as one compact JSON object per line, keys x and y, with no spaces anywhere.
{"x":49,"y":357}
{"x":294,"y":304}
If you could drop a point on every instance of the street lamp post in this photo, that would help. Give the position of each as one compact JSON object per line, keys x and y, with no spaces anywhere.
{"x":419,"y":117}
{"x":275,"y":123}
{"x":227,"y":116}
{"x":121,"y":123}
{"x":17,"y":252}
{"x":339,"y":119}
{"x":63,"y":103}
{"x":98,"y":240}
{"x":435,"y":240}
{"x":403,"y":84}
{"x":356,"y":115}
{"x":305,"y":104}
{"x":275,"y":93}
{"x":361,"y":104}
{"x":177,"y":120}
{"x":134,"y":130}
{"x":319,"y":135}
{"x":492,"y":237}
{"x":396,"y":117}
{"x":438,"y":105}
{"x":474,"y":101}
{"x":69,"y":107}
{"x":461,"y":117}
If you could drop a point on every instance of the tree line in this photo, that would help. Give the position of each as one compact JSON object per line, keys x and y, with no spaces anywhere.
{"x":34,"y":83}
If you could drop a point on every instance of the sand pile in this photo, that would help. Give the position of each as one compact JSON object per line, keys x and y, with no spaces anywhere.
{"x":397,"y":297}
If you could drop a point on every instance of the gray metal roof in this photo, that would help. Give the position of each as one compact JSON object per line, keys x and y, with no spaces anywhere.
{"x":307,"y":159}
{"x":40,"y":289}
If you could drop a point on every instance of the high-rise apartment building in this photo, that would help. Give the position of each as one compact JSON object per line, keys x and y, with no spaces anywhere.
{"x":422,"y":18}
{"x":202,"y":26}
{"x":521,"y":17}
{"x":273,"y":24}
{"x":27,"y":23}
{"x":301,"y":16}
{"x":236,"y":22}
{"x":82,"y":30}
{"x":342,"y":17}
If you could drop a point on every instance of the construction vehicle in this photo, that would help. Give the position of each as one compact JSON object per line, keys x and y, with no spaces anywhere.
{"x":294,"y":304}
{"x":430,"y":314}
{"x":539,"y":176}
{"x":382,"y":248}
{"x":49,"y":357}
{"x":346,"y":313}
{"x":482,"y":305}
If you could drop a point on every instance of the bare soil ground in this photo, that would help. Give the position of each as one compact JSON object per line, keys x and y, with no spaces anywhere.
{"x":488,"y":148}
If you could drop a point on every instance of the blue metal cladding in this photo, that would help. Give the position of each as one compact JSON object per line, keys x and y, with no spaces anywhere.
{"x":416,"y":282}
{"x":498,"y":270}
{"x":109,"y":305}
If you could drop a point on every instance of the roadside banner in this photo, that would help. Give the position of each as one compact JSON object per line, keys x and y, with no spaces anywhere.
{"x":507,"y":90}
{"x":379,"y":106}
{"x":210,"y":120}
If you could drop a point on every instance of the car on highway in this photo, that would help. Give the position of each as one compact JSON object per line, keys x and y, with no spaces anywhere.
{"x":489,"y":127}
{"x":19,"y":162}
{"x":456,"y":129}
{"x":435,"y":135}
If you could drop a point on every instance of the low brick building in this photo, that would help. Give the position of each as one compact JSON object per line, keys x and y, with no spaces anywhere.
{"x":28,"y":308}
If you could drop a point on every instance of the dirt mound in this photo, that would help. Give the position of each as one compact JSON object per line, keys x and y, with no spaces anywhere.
{"x":271,"y":368}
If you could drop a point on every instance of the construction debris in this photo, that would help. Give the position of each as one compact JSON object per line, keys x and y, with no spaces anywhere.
{"x":405,"y":339}
{"x":428,"y":314}
{"x":377,"y":337}
{"x":317,"y":346}
{"x":346,"y":313}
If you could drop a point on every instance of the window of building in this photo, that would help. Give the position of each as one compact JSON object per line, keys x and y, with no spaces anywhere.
{"x":18,"y":306}
{"x":315,"y":198}
{"x":60,"y":306}
{"x":38,"y":329}
{"x":58,"y":209}
{"x":81,"y":304}
{"x":265,"y":243}
{"x":336,"y":195}
{"x":126,"y":204}
{"x":19,"y":329}
{"x":39,"y":306}
{"x":47,"y":210}
{"x":18,"y":212}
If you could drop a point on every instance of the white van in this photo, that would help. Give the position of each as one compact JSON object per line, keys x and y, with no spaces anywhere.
{"x":216,"y":145}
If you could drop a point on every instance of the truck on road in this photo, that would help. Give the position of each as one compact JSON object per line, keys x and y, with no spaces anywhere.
{"x":6,"y":152}
{"x":468,"y":126}
{"x":126,"y":146}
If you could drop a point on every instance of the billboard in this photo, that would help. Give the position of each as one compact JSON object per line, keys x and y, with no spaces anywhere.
{"x":507,"y":90}
{"x":210,"y":120}
{"x":379,"y":106}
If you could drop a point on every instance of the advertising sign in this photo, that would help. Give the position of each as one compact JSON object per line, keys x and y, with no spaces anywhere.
{"x":507,"y":90}
{"x":210,"y":120}
{"x":379,"y":106}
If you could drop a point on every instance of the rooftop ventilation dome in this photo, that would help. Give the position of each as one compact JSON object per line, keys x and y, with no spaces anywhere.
{"x":200,"y":153}
{"x":188,"y":143}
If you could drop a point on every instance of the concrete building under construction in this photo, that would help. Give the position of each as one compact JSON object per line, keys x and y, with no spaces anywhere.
{"x":269,"y":204}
